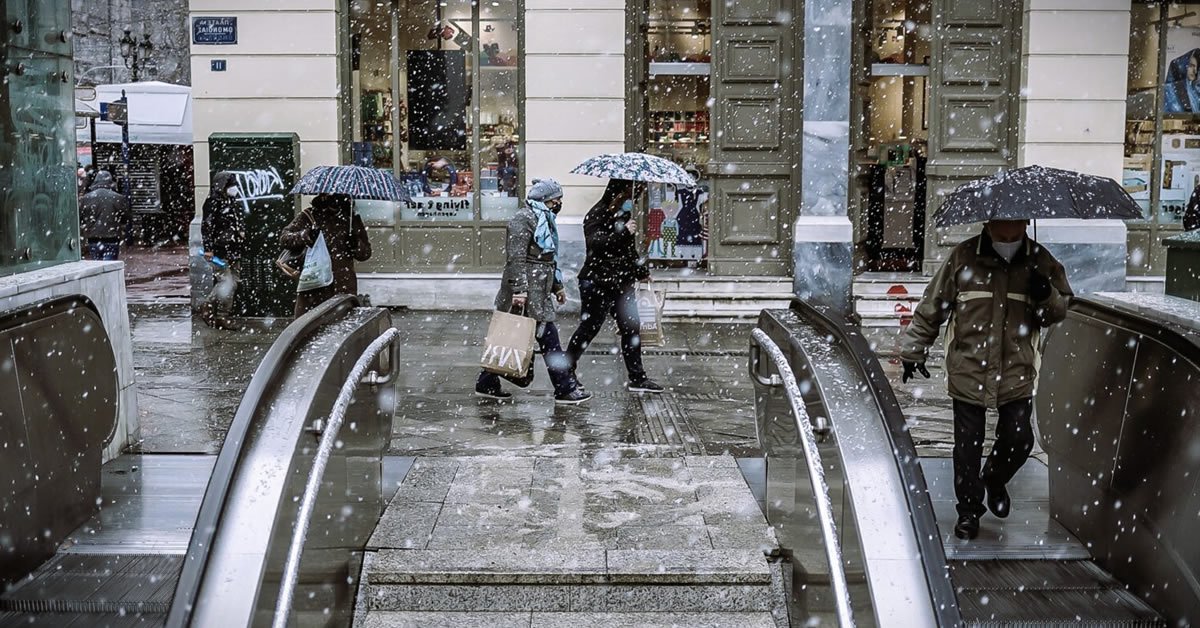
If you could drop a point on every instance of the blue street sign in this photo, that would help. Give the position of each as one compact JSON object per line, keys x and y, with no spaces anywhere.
{"x":218,"y":65}
{"x":214,"y":31}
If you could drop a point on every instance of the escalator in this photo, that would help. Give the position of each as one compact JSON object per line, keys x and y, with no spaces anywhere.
{"x":1098,"y":537}
{"x":179,"y":540}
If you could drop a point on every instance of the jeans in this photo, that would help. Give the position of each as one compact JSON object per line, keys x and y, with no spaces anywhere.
{"x":225,"y":281}
{"x":556,"y":361}
{"x":600,"y":300}
{"x":1014,"y":441}
{"x":103,"y":250}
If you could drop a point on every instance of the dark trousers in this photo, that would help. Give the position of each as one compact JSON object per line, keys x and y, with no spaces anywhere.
{"x":1014,"y":441}
{"x":620,"y":302}
{"x":102,"y":250}
{"x":557,"y":364}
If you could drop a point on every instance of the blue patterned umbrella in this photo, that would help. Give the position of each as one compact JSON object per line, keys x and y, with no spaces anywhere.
{"x":353,"y":181}
{"x":635,"y":167}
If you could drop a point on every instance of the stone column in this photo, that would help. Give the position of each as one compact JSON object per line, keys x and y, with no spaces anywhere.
{"x":1064,"y":126}
{"x":823,"y":247}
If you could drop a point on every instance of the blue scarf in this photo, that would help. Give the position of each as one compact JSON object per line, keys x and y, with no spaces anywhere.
{"x":546,"y":234}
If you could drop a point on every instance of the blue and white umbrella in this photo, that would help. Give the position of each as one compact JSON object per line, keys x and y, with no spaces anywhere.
{"x":353,"y":181}
{"x":635,"y":167}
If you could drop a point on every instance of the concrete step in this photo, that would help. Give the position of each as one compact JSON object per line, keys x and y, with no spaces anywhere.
{"x":408,"y":619}
{"x":528,"y":580}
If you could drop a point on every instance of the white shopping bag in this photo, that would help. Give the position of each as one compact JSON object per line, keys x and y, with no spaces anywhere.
{"x":650,"y":310}
{"x":318,"y":267}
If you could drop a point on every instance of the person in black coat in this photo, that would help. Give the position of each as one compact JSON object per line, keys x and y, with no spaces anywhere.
{"x":1191,"y":215}
{"x":608,"y":279}
{"x":223,"y":229}
{"x":103,"y":215}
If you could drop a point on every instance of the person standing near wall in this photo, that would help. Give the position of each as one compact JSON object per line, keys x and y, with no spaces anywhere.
{"x":103,"y":215}
{"x":998,"y":290}
{"x":223,"y":229}
{"x":1191,"y":215}
{"x":331,"y":215}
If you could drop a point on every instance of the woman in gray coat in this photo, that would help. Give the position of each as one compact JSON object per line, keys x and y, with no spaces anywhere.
{"x":532,"y":284}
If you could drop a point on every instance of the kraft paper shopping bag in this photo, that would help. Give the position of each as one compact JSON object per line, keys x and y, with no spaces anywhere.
{"x":508,"y":348}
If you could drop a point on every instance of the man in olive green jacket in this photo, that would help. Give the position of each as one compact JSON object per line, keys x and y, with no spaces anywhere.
{"x":998,"y":290}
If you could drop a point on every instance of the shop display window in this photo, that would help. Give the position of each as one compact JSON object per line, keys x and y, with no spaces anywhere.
{"x":1162,"y":127}
{"x":437,"y":88}
{"x":679,"y":57}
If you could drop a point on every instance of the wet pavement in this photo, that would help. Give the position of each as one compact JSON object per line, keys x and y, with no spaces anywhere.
{"x":191,"y":378}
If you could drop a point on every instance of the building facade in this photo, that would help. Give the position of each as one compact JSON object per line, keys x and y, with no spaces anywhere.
{"x":859,"y":113}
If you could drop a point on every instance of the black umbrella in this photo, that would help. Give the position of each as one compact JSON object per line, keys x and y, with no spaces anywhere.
{"x":1035,"y":192}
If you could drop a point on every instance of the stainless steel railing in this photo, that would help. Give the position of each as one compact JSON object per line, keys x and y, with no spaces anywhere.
{"x":816,"y":475}
{"x":329,"y":433}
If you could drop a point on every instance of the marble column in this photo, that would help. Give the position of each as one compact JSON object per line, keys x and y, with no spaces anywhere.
{"x":823,"y":248}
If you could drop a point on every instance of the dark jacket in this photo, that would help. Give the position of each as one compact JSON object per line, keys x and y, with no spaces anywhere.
{"x":103,"y":213}
{"x":223,"y":225}
{"x":993,"y":340}
{"x":347,"y":241}
{"x":612,"y":257}
{"x":528,"y":269}
{"x":1191,"y":215}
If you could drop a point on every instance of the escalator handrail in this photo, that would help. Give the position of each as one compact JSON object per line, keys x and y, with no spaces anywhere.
{"x":329,"y":436}
{"x":1163,"y":331}
{"x":269,"y":370}
{"x":816,"y":478}
{"x":928,"y":537}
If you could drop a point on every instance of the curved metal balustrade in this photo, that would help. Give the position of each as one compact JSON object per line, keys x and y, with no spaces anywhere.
{"x":892,"y":550}
{"x":237,"y":554}
{"x":1119,"y":415}
{"x":58,"y":409}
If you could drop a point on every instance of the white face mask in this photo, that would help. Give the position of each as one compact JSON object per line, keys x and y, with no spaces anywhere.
{"x":232,"y":191}
{"x":1007,"y":250}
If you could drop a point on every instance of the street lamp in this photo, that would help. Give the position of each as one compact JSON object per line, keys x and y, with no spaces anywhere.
{"x":135,"y":54}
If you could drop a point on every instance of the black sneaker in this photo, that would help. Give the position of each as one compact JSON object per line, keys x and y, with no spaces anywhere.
{"x":967,"y":527}
{"x":491,"y":394}
{"x":645,"y":386}
{"x":573,"y":398}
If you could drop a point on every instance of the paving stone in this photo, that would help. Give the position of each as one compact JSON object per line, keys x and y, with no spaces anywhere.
{"x":728,"y":504}
{"x":489,"y":536}
{"x":600,"y":516}
{"x":701,"y":462}
{"x":657,"y":598}
{"x":428,"y":481}
{"x":711,"y":476}
{"x":418,"y":619}
{"x":742,"y":536}
{"x":406,"y":525}
{"x":491,"y":566}
{"x":533,"y":513}
{"x":688,"y":566}
{"x":662,"y":537}
{"x":471,"y":597}
{"x":653,"y":620}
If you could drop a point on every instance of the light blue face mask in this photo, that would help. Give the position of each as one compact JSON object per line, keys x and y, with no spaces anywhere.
{"x":627,"y":206}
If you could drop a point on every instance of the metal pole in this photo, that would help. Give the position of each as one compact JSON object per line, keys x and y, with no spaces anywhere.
{"x":125,"y":163}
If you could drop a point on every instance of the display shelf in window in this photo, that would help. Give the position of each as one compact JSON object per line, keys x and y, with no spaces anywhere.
{"x":680,"y":69}
{"x":899,"y":69}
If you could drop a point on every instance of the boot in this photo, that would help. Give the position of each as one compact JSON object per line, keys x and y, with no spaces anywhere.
{"x":226,"y":323}
{"x":208,"y":314}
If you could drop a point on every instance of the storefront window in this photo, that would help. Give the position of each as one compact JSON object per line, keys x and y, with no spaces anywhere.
{"x":39,"y":220}
{"x":679,"y":54}
{"x":1162,"y":127}
{"x":440,"y":87}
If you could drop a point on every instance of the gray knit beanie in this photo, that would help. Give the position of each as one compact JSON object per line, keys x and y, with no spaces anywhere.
{"x":544,"y":190}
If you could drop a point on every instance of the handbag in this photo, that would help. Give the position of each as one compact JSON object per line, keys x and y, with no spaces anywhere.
{"x":508,"y":347}
{"x":291,"y":261}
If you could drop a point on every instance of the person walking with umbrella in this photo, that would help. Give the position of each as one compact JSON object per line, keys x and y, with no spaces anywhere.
{"x":608,"y":279}
{"x":998,"y":290}
{"x":533,"y":284}
{"x":332,"y":216}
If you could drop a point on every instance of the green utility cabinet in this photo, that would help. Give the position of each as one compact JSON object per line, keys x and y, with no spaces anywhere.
{"x":267,"y":166}
{"x":1183,"y":265}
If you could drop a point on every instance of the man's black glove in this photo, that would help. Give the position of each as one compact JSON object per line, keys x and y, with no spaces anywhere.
{"x":911,"y":369}
{"x":1039,"y":287}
